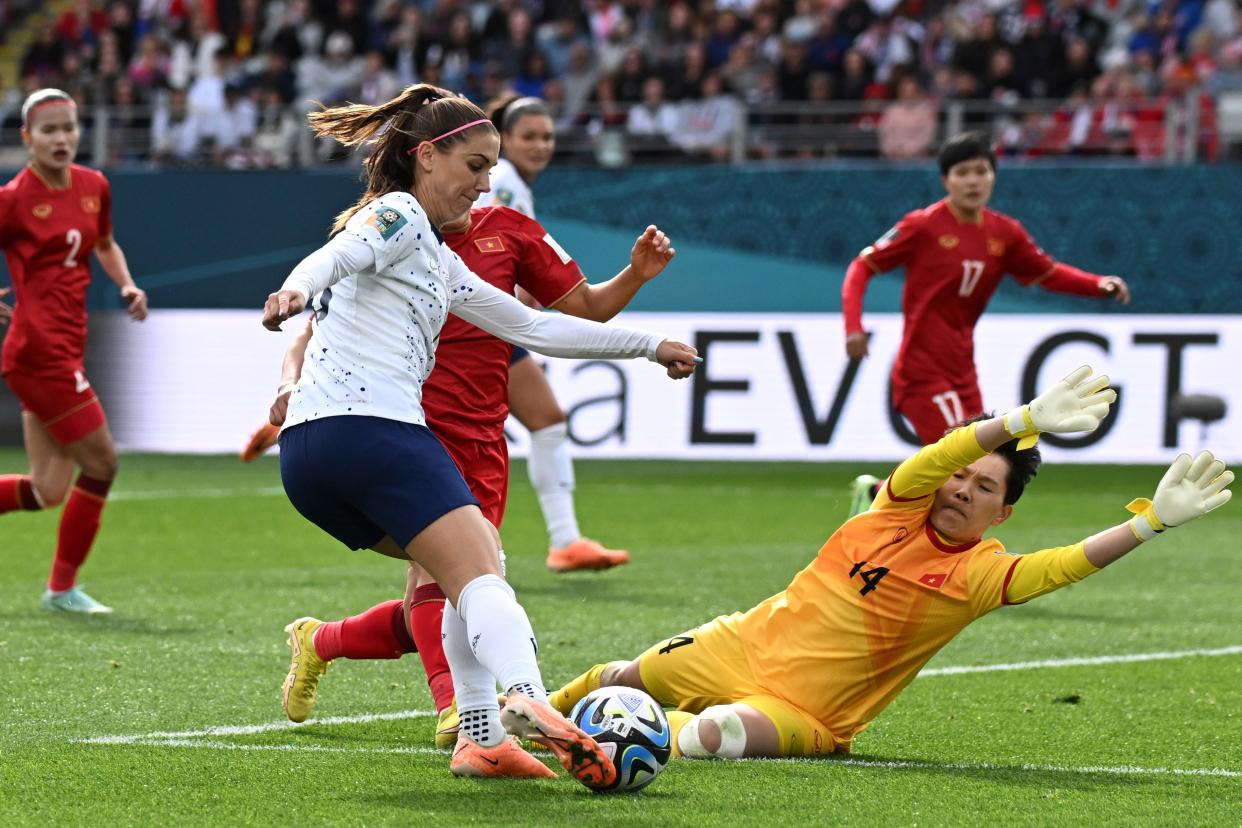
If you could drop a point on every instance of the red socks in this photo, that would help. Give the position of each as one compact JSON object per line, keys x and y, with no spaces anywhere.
{"x":378,"y":633}
{"x":17,"y":492}
{"x":79,"y":523}
{"x":426,"y":613}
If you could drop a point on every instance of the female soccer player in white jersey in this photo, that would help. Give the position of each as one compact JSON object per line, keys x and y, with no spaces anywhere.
{"x":356,"y":456}
{"x":527,"y":140}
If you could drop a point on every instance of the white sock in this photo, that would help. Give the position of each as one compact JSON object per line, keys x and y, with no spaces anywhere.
{"x":500,"y":635}
{"x":551,"y":472}
{"x":473,"y":686}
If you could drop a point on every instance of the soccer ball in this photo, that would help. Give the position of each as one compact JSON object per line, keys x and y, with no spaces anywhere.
{"x":631,"y":728}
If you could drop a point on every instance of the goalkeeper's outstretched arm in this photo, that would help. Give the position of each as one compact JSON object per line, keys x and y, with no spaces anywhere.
{"x":1076,"y":403}
{"x":1189,"y":489}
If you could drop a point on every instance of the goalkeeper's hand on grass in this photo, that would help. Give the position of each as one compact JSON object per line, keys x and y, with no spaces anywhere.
{"x":1076,"y":403}
{"x":1189,"y":489}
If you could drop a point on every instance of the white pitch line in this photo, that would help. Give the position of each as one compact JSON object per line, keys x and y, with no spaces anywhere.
{"x":1129,"y":770}
{"x":209,"y":745}
{"x":248,"y":730}
{"x":1098,"y":770}
{"x":194,"y":494}
{"x":1089,"y":661}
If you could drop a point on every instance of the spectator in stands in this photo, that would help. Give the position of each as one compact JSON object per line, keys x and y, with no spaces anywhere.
{"x":557,"y":41}
{"x":705,"y":126}
{"x":1080,"y":69}
{"x":631,"y":77}
{"x":81,"y":24}
{"x":512,"y":51}
{"x":333,"y":78}
{"x":174,"y":136}
{"x":148,"y":70}
{"x":277,"y":130}
{"x":129,"y":124}
{"x":744,"y":72}
{"x":1227,"y":77}
{"x":578,"y":84}
{"x":685,"y":79}
{"x":533,"y":76}
{"x":907,"y":129}
{"x":121,"y":24}
{"x":406,"y":47}
{"x":44,"y":56}
{"x":653,"y":115}
{"x":376,"y":83}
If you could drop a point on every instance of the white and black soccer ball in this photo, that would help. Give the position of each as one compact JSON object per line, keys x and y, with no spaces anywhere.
{"x":632,"y":729}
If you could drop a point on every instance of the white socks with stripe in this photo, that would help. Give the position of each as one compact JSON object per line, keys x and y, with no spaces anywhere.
{"x":551,"y":472}
{"x":489,"y":639}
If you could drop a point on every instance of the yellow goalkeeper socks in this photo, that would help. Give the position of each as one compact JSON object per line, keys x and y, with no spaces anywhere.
{"x":565,"y":698}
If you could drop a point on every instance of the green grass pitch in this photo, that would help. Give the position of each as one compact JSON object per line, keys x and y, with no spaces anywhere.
{"x":204,"y":583}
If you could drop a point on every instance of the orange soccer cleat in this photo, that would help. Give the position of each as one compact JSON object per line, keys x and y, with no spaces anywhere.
{"x":260,"y":441}
{"x":585,"y":553}
{"x":506,"y":759}
{"x":539,"y":722}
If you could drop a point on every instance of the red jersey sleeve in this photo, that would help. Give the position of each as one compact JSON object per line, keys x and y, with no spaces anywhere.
{"x":6,"y":219}
{"x":1024,"y":259}
{"x":545,"y":270}
{"x":105,"y":207}
{"x":895,"y":247}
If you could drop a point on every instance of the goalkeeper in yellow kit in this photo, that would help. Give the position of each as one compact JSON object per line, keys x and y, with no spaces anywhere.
{"x":805,"y":671}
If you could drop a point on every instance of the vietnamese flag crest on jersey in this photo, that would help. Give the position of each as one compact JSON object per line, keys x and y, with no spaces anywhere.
{"x":935,"y":580}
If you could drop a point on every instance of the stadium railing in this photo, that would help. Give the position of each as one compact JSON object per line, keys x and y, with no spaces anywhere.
{"x":1178,"y":130}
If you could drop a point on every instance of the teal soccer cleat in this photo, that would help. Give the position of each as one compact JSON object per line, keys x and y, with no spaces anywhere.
{"x":73,"y":600}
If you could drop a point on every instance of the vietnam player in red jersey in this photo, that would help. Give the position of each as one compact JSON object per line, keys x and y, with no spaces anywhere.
{"x":955,"y":252}
{"x":465,"y":400}
{"x":52,"y":215}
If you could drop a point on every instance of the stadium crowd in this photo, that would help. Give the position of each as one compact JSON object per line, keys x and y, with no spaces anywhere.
{"x":227,"y":81}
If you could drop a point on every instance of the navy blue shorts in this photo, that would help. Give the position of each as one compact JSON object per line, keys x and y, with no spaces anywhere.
{"x":518,"y":354}
{"x":361,"y":478}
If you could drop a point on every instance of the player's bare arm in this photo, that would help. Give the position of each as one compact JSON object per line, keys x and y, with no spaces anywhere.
{"x":6,"y":311}
{"x":291,"y":372}
{"x":650,"y":255}
{"x":112,"y":260}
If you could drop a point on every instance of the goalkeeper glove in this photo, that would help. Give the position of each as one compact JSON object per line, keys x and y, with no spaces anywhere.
{"x":1076,"y":403}
{"x":1189,"y":489}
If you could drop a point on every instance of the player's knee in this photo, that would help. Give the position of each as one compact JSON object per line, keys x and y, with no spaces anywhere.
{"x":102,"y":465}
{"x":716,"y":733}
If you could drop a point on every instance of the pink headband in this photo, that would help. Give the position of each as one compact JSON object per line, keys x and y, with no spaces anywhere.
{"x":411,"y":150}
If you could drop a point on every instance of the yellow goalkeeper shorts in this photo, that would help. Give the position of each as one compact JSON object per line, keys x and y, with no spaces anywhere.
{"x":707,"y":666}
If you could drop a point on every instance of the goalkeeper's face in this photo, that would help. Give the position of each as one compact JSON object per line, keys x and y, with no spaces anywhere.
{"x":972,"y":500}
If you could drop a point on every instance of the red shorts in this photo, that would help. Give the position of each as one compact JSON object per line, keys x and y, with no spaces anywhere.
{"x":63,"y":401}
{"x":485,"y":465}
{"x":934,"y":408}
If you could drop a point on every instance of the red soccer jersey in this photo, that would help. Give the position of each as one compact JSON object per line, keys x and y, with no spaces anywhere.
{"x":47,"y":235}
{"x":952,"y":269}
{"x":467,"y":394}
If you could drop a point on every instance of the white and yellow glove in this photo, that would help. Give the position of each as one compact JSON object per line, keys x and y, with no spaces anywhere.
{"x":1076,"y":403}
{"x":1189,"y":489}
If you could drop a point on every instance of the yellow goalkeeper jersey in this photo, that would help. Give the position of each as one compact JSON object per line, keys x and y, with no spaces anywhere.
{"x":884,"y":594}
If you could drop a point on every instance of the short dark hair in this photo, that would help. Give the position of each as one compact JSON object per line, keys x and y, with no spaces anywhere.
{"x":1023,"y":463}
{"x":965,"y":147}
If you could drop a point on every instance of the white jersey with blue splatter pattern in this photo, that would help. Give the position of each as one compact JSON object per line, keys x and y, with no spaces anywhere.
{"x":382,"y":290}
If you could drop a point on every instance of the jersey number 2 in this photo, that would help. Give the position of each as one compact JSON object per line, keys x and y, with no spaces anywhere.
{"x":74,"y":239}
{"x":972,"y":272}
